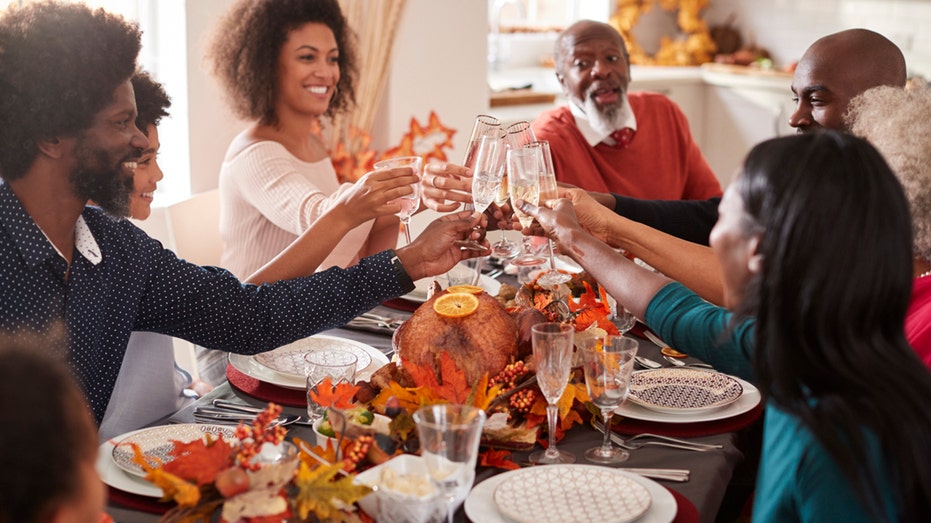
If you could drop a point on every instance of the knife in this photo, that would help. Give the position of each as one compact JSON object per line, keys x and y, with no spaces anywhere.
{"x":663,"y":346}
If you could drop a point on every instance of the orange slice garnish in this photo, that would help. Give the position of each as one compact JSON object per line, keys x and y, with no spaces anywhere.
{"x":672,"y":353}
{"x":468,"y":289}
{"x":455,"y":305}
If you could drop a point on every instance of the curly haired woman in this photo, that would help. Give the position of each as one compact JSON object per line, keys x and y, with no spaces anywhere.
{"x":284,"y":64}
{"x":902,"y":136}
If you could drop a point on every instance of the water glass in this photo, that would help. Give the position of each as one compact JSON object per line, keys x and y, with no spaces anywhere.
{"x":466,"y":272}
{"x":338,"y":365}
{"x":410,"y":203}
{"x":608,"y":363}
{"x":449,"y":436}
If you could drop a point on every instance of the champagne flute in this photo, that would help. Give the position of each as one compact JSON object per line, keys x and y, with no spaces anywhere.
{"x":548,"y":191}
{"x":483,"y":126}
{"x":524,"y":166}
{"x":486,"y":177}
{"x":517,"y":135}
{"x":608,"y":364}
{"x":552,"y":357}
{"x":411,"y":202}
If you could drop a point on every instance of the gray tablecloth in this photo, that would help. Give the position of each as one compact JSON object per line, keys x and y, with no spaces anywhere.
{"x":711,"y":471}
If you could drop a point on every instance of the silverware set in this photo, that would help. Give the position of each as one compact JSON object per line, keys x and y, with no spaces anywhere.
{"x":369,"y":320}
{"x":230,"y":413}
{"x":646,"y":439}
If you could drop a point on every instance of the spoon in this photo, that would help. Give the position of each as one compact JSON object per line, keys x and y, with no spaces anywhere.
{"x":647,"y":363}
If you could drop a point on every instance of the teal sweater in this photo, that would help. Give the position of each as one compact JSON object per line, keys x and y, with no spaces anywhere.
{"x":797,"y":479}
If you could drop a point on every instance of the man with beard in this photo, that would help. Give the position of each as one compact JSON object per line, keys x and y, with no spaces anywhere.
{"x":67,"y":135}
{"x":608,"y":140}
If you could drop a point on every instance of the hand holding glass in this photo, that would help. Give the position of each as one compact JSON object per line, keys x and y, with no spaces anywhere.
{"x":607,"y":364}
{"x":411,"y":202}
{"x":552,"y":357}
{"x":524,"y":167}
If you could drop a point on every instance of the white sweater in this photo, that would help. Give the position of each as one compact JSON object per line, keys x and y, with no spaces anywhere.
{"x":268,"y":197}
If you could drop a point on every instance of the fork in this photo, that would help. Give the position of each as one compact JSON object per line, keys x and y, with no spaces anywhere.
{"x":629,"y":444}
{"x":250,"y":410}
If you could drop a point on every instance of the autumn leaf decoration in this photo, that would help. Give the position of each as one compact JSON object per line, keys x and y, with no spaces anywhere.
{"x":340,"y":396}
{"x":591,"y":310}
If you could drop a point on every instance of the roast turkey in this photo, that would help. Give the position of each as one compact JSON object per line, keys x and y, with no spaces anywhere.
{"x":482,"y":342}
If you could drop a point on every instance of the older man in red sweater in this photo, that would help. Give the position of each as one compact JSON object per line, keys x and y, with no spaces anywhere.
{"x":607,"y":140}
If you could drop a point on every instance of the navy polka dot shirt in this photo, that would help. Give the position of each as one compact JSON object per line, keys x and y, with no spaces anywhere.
{"x":140,"y":285}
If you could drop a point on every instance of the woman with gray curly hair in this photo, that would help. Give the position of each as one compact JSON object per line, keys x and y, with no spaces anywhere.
{"x":903,"y":136}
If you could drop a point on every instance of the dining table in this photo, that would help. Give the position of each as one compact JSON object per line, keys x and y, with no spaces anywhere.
{"x":714,"y":474}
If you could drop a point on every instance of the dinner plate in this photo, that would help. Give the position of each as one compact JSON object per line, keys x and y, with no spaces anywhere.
{"x":480,"y":504}
{"x":252,"y":368}
{"x":682,"y":390}
{"x":157,"y":442}
{"x":749,"y":399}
{"x":115,"y":477}
{"x":289,"y":359}
{"x":560,"y":493}
{"x":419,"y":294}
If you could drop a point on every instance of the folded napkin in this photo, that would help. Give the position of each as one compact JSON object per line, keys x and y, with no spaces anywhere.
{"x":685,"y":510}
{"x":402,"y":304}
{"x":265,"y":391}
{"x":137,"y":502}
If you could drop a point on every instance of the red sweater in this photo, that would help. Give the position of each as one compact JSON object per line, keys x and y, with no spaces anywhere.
{"x":662,"y":163}
{"x":918,"y":319}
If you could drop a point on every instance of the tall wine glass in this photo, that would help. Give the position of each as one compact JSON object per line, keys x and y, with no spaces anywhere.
{"x":516,"y":135}
{"x":608,"y":364}
{"x":548,"y":192}
{"x":552,"y":357}
{"x":486,"y":177}
{"x":484,"y":125}
{"x":524,"y":167}
{"x":411,"y":202}
{"x":449,"y":436}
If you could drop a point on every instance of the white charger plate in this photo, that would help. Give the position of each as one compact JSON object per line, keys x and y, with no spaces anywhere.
{"x":559,"y":493}
{"x":289,"y":359}
{"x":419,"y":294}
{"x":115,"y":477}
{"x":157,"y":442}
{"x":480,"y":504}
{"x":683,"y":390}
{"x":252,"y":368}
{"x":749,"y":399}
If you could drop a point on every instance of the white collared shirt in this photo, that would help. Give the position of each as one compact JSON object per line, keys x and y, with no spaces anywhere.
{"x":593,"y":136}
{"x":84,"y":242}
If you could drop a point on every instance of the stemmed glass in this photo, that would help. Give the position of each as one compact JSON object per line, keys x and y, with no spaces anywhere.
{"x":411,"y":202}
{"x":517,"y":135}
{"x":552,"y":357}
{"x":608,"y":364}
{"x":484,"y":126}
{"x":524,"y":166}
{"x":449,"y":436}
{"x":548,"y":191}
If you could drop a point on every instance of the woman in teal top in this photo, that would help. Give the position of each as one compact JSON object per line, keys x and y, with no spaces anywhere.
{"x":814,"y":239}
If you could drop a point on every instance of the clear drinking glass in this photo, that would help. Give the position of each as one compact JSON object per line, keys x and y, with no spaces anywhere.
{"x":552,"y":357}
{"x":483,"y":126}
{"x":548,"y":191}
{"x":411,"y":202}
{"x":449,"y":436}
{"x":524,"y":167}
{"x":338,"y":365}
{"x":607,"y":364}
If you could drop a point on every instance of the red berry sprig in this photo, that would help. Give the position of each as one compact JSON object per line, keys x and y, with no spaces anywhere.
{"x":356,"y":452}
{"x":510,"y":376}
{"x":522,"y":400}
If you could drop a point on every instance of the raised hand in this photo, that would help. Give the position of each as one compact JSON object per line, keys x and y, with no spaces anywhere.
{"x":368,"y":197}
{"x":446,"y":186}
{"x":435,"y":250}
